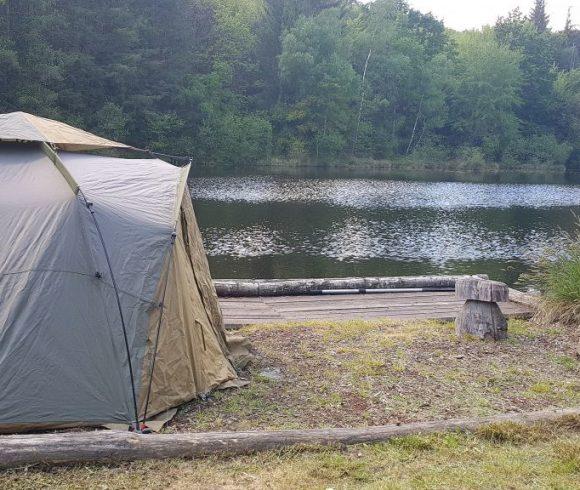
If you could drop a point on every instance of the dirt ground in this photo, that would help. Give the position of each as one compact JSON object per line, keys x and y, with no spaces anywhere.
{"x":366,"y":373}
{"x":356,"y":373}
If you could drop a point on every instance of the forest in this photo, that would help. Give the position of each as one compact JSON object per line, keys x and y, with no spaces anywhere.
{"x":235,"y":82}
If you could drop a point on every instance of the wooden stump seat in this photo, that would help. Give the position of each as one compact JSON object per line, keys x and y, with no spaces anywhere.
{"x":481,"y":316}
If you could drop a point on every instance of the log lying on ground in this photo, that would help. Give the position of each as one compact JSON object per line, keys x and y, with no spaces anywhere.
{"x":527,"y":299}
{"x":111,"y":446}
{"x":288,"y":287}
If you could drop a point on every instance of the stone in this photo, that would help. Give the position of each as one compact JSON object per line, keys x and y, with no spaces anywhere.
{"x":272,"y":373}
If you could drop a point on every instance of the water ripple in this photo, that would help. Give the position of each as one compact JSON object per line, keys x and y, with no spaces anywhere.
{"x":382,"y":194}
{"x":359,"y":239}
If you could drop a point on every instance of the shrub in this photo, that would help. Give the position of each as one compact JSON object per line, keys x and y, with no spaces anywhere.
{"x":235,"y":139}
{"x":538,"y":149}
{"x":471,"y":156}
{"x":431,"y":150}
{"x":557,"y":276}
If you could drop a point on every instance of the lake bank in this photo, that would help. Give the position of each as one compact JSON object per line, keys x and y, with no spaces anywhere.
{"x":453,"y":171}
{"x":414,"y":164}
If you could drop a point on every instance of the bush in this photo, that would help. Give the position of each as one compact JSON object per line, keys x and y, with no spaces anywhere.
{"x":470,"y":155}
{"x":235,"y":139}
{"x":112,"y":122}
{"x":557,"y":276}
{"x":329,"y":145}
{"x":432,"y":150}
{"x":538,"y":149}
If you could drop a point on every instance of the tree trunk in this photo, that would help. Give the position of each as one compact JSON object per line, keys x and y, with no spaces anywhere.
{"x":362,"y":97}
{"x":481,"y":319}
{"x":415,"y":126}
{"x":114,"y":447}
{"x":228,"y":288}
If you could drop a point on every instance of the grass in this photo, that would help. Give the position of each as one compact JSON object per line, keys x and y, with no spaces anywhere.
{"x":557,"y":276}
{"x":358,"y":373}
{"x":361,"y":373}
{"x":501,"y":456}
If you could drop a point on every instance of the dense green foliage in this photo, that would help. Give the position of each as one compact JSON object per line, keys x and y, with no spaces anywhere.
{"x":237,"y":81}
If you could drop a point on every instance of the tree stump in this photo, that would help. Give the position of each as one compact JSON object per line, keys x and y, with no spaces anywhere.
{"x":480,"y":316}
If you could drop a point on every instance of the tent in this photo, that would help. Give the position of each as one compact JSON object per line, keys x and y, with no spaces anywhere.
{"x":107,"y":309}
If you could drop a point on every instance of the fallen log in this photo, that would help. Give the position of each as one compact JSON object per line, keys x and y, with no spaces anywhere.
{"x":116,"y":446}
{"x":229,"y":288}
{"x":526,"y":299}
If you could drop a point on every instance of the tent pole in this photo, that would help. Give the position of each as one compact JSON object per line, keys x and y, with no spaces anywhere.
{"x":55,"y":159}
{"x":180,"y":190}
{"x":159,"y":323}
{"x":53,"y":156}
{"x":89,"y":206}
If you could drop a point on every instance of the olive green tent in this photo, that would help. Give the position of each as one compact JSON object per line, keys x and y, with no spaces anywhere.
{"x":107,"y":307}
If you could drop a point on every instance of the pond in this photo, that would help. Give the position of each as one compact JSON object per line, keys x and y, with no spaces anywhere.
{"x":328,"y":223}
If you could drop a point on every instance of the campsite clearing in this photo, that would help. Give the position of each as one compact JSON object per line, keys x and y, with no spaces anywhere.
{"x":358,"y":373}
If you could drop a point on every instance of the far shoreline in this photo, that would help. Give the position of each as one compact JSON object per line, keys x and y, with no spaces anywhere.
{"x":404,"y":169}
{"x":404,"y":164}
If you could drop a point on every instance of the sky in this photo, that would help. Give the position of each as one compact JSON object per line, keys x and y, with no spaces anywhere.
{"x":469,"y":14}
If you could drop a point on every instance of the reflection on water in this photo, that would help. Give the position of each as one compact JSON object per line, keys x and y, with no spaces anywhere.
{"x":264,"y":226}
{"x":382,"y":194}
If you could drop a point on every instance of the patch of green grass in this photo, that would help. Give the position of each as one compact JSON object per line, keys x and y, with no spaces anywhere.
{"x":557,"y":276}
{"x":365,"y":365}
{"x":413,"y":443}
{"x":541,"y":388}
{"x":513,"y":433}
{"x":335,"y":466}
{"x":363,"y":389}
{"x":566,"y":362}
{"x":567,"y":456}
{"x":327,"y":400}
{"x":384,"y":331}
{"x":385,"y":372}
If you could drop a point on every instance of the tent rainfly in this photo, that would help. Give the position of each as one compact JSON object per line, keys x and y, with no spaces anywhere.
{"x":107,"y":309}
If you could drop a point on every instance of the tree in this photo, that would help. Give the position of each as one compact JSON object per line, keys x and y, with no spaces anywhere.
{"x":320,"y":85}
{"x":403,"y":100}
{"x":233,"y":81}
{"x":567,"y":89}
{"x":538,"y":15}
{"x":485,"y":93}
{"x":539,"y":51}
{"x":571,"y":44}
{"x":568,"y":26}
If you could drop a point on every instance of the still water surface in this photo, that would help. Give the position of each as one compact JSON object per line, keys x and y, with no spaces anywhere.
{"x":323,"y":224}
